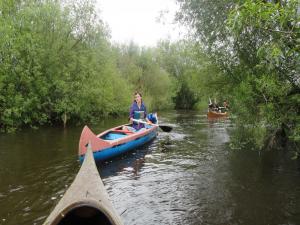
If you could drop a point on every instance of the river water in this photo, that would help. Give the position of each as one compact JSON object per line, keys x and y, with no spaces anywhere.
{"x":188,"y":176}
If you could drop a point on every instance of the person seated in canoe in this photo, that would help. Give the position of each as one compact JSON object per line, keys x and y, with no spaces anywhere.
{"x":137,"y":111}
{"x":210,"y":107}
{"x":224,"y":108}
{"x":225,"y":105}
{"x":213,"y":107}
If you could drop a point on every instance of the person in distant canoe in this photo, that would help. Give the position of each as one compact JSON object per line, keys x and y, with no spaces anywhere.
{"x":138,"y":111}
{"x":210,"y":106}
{"x":225,"y":105}
{"x":213,"y":107}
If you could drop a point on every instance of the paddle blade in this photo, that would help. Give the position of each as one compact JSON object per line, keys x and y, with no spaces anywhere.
{"x":165,"y":128}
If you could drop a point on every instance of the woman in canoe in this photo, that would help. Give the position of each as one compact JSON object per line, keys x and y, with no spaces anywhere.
{"x":137,"y":111}
{"x":225,"y":105}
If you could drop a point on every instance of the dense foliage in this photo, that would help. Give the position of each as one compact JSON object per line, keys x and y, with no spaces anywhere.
{"x":57,"y":65}
{"x":256,"y":45}
{"x":140,"y":69}
{"x":54,"y":62}
{"x":192,"y":71}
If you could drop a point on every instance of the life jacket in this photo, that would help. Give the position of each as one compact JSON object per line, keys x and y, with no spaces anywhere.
{"x":139,"y":115}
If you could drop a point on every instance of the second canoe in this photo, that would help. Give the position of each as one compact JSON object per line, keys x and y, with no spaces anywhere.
{"x":214,"y":114}
{"x":114,"y":141}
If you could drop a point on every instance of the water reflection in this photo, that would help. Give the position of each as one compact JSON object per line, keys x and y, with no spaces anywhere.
{"x":273,"y":197}
{"x":131,"y":162}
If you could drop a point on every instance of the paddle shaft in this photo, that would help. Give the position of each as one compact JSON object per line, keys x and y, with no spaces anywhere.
{"x":163,"y":127}
{"x":144,"y":122}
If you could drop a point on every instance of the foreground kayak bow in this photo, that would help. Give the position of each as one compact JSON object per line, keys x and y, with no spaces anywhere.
{"x":86,"y":201}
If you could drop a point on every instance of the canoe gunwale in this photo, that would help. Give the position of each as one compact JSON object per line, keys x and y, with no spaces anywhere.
{"x":133,"y":134}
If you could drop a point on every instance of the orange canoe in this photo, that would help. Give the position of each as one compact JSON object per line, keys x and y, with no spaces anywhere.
{"x":213,"y":114}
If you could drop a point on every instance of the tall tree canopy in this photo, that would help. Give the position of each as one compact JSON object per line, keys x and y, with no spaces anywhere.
{"x":256,"y":45}
{"x":56,"y":63}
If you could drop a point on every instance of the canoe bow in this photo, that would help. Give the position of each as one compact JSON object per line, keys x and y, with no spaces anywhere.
{"x":86,"y":201}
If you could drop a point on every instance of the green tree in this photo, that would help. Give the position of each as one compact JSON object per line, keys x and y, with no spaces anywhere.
{"x":258,"y":52}
{"x":142,"y":72}
{"x":194,"y":73}
{"x":56,"y":65}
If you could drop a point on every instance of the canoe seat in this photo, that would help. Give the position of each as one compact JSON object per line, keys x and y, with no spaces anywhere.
{"x":124,"y":131}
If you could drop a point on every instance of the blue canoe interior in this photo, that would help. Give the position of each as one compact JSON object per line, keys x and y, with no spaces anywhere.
{"x":112,"y":136}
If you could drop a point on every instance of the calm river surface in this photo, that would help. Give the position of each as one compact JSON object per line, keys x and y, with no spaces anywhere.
{"x":188,"y":176}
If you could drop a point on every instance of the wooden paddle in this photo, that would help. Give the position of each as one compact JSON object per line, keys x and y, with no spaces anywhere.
{"x":162,"y":127}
